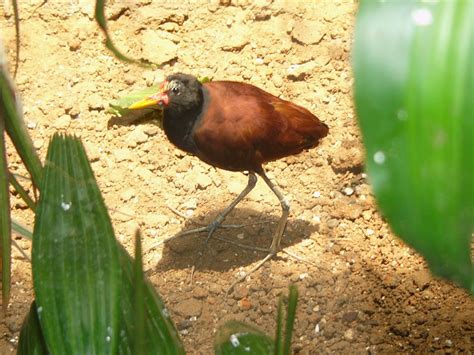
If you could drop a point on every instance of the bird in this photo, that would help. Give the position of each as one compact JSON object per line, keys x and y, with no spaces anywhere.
{"x":237,"y":127}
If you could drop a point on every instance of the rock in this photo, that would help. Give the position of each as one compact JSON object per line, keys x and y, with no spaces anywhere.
{"x":95,"y":102}
{"x":350,"y":316}
{"x":38,"y":143}
{"x":277,"y":80}
{"x":367,"y":215}
{"x":399,"y":330}
{"x":307,"y":32}
{"x":155,"y":220}
{"x":422,"y":279}
{"x":332,"y":223}
{"x":138,"y":136}
{"x":245,"y":304}
{"x":151,"y":130}
{"x":238,"y":40}
{"x":74,"y":44}
{"x":127,"y":195}
{"x":349,"y":334}
{"x":300,"y":71}
{"x":200,"y":293}
{"x":63,"y":122}
{"x":202,"y":181}
{"x":240,"y":291}
{"x":189,"y":308}
{"x":157,"y":49}
{"x":144,"y":173}
{"x":122,"y":154}
{"x":345,"y":208}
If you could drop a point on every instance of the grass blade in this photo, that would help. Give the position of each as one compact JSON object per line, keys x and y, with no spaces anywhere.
{"x":414,"y":79}
{"x":139,"y":310}
{"x":279,"y":328}
{"x":290,"y":318}
{"x":161,"y":336}
{"x":21,"y":191}
{"x":16,"y":15}
{"x":5,"y":223}
{"x":102,"y":22}
{"x":15,"y":127}
{"x":22,"y":230}
{"x":75,"y":258}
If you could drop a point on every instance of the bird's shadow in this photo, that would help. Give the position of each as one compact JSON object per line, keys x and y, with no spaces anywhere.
{"x":136,"y":117}
{"x":257,"y":231}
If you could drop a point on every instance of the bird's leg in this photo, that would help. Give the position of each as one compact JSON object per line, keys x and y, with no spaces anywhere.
{"x":221,"y":216}
{"x":285,"y":206}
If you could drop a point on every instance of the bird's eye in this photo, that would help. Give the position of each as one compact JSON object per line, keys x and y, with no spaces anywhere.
{"x":175,"y":90}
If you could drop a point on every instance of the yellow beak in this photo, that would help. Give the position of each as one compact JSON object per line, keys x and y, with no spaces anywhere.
{"x":145,"y":103}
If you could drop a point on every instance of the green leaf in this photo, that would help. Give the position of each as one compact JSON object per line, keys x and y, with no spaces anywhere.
{"x":21,"y":191}
{"x":31,"y":341}
{"x":21,"y":229}
{"x":75,"y":258}
{"x":414,"y":79}
{"x":11,"y":114}
{"x":102,"y":22}
{"x":5,"y":223}
{"x":120,"y":106}
{"x":139,"y":299}
{"x":239,"y":338}
{"x":161,"y":336}
{"x":290,"y":318}
{"x":279,"y":340}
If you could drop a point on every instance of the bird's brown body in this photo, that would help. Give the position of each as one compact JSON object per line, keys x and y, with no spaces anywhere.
{"x":243,"y":127}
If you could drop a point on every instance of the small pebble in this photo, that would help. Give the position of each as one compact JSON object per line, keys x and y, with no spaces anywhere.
{"x":348,"y":191}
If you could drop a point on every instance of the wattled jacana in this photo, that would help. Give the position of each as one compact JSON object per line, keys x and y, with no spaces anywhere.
{"x":237,"y":127}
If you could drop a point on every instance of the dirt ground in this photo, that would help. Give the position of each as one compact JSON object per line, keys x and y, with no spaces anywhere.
{"x":361,"y":289}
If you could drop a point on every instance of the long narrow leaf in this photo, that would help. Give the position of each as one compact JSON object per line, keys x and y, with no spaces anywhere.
{"x":5,"y":223}
{"x":290,"y":318}
{"x":414,"y":81}
{"x":161,"y":336}
{"x":75,"y":258}
{"x":17,"y":36}
{"x":139,"y":301}
{"x":21,"y":229}
{"x":31,"y":341}
{"x":21,"y":191}
{"x":279,"y":341}
{"x":15,"y":127}
{"x":102,"y":22}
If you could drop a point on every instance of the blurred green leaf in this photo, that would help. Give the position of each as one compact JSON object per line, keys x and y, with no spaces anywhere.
{"x":21,"y":191}
{"x":16,"y":15}
{"x":31,"y":341}
{"x":22,"y":230}
{"x":235,"y":338}
{"x":414,"y":81}
{"x":161,"y":336}
{"x":290,"y":318}
{"x":76,"y":269}
{"x":102,"y":22}
{"x":139,"y":299}
{"x":11,"y":114}
{"x":5,"y":223}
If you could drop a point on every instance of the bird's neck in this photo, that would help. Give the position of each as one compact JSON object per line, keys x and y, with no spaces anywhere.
{"x":179,"y":124}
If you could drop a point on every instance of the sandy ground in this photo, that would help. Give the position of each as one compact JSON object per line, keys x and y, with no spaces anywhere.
{"x":361,"y":289}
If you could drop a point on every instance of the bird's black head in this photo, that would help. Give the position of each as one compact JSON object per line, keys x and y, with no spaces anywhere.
{"x":182,"y":93}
